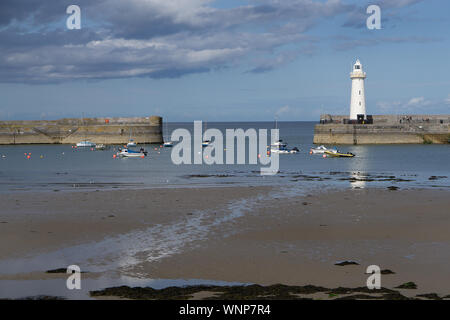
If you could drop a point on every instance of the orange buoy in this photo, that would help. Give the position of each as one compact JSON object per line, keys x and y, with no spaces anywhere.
{"x":142,"y":156}
{"x":28,"y":157}
{"x":324,"y":156}
{"x":114,"y":156}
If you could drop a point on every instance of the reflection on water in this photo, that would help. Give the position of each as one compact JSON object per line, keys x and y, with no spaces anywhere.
{"x":356,"y":182}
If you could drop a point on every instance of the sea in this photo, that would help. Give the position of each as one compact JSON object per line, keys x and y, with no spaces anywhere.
{"x":51,"y":168}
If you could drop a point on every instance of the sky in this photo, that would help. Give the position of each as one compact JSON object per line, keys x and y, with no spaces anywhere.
{"x":225,"y":60}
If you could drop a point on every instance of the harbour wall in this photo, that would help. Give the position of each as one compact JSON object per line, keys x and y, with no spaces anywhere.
{"x":72,"y":131}
{"x":386,"y":129}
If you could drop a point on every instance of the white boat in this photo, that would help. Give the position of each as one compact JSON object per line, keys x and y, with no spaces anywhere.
{"x":318,"y":150}
{"x":100,"y":146}
{"x":167,"y":143}
{"x":281,"y":148}
{"x":131,"y":143}
{"x":206,"y":143}
{"x":321,"y":150}
{"x":127,"y":153}
{"x":87,"y":144}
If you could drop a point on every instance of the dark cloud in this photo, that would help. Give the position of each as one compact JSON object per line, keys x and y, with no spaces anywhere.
{"x":153,"y":38}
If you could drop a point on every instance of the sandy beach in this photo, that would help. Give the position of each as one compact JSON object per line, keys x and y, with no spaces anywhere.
{"x":236,"y":234}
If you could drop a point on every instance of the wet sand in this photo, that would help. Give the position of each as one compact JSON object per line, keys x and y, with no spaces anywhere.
{"x":290,"y":240}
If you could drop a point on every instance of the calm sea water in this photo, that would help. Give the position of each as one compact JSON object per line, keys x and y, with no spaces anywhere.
{"x":62,"y":168}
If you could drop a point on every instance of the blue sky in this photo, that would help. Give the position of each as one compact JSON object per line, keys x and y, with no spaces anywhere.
{"x":221,"y":60}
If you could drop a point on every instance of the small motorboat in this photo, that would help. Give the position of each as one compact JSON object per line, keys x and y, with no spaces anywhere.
{"x":168,"y":144}
{"x":281,"y":148}
{"x":206,"y":143}
{"x":318,"y":150}
{"x":127,"y":153}
{"x":335,"y":153}
{"x":100,"y":146}
{"x":86,"y":144}
{"x":131,"y":143}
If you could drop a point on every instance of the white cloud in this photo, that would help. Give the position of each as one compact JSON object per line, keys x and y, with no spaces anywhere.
{"x":412,"y":105}
{"x":418,"y":102}
{"x":157,"y":38}
{"x":160,"y":38}
{"x":283,"y":110}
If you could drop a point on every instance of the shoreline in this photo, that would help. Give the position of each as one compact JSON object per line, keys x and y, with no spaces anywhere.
{"x":239,"y":234}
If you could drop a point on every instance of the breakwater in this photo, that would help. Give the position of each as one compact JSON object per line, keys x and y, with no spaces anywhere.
{"x":72,"y":131}
{"x":385,"y":129}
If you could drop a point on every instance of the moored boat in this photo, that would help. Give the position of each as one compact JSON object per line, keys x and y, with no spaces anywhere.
{"x":335,"y":153}
{"x":318,"y":150}
{"x":127,"y":153}
{"x":281,"y":148}
{"x":168,"y":144}
{"x":131,"y":143}
{"x":86,"y":144}
{"x":100,"y":146}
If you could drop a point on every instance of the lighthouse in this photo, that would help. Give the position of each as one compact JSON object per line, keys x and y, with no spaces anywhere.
{"x":358,"y":100}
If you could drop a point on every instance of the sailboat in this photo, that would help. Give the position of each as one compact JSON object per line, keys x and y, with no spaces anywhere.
{"x":167,"y":143}
{"x":281,"y":147}
{"x":131,"y":142}
{"x":85,"y":143}
{"x":206,"y":143}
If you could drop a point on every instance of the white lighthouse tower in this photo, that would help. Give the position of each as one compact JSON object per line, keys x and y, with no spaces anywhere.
{"x":358,"y":100}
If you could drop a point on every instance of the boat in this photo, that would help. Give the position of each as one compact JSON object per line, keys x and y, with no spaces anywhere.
{"x":167,"y":143}
{"x":100,"y":146}
{"x":318,"y":150}
{"x":206,"y":143}
{"x":335,"y":153}
{"x":131,"y":143}
{"x":86,"y":144}
{"x":127,"y":153}
{"x":281,"y":148}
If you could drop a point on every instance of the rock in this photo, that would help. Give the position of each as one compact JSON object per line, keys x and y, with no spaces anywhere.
{"x":346,"y":263}
{"x":59,"y":270}
{"x":431,"y":296}
{"x":387,"y":271}
{"x":407,"y":285}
